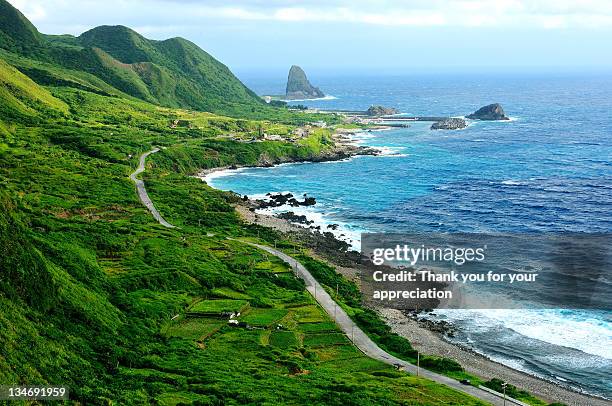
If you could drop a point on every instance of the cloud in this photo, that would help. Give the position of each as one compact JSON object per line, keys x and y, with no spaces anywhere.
{"x":32,"y":9}
{"x":502,"y":14}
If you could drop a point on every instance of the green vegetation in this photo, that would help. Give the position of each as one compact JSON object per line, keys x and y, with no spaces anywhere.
{"x":218,"y":306}
{"x":319,"y":327}
{"x":325,"y":339}
{"x":94,"y":294}
{"x":194,"y":329}
{"x":16,"y":32}
{"x":284,"y":339}
{"x":23,"y":99}
{"x":264,"y":317}
{"x":440,"y":364}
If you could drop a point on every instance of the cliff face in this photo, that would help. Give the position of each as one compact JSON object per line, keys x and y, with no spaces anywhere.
{"x":298,"y":86}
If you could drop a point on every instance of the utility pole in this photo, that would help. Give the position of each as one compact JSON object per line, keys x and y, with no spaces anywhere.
{"x":335,"y":306}
{"x":353,"y":333}
{"x":418,"y":362}
{"x":504,"y":384}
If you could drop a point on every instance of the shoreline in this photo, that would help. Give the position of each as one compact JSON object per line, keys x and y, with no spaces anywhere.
{"x":424,"y":339}
{"x":345,"y":148}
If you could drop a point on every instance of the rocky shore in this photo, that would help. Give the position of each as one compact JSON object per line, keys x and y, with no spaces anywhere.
{"x":429,"y":338}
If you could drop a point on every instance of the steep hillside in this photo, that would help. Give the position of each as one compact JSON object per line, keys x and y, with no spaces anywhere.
{"x":22,"y":98}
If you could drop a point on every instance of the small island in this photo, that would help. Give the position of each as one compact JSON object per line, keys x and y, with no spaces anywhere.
{"x":491,"y":112}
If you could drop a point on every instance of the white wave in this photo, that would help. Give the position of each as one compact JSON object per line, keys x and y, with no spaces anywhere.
{"x":328,"y":97}
{"x":511,"y":182}
{"x":209,"y":178}
{"x":390,"y":151}
{"x":338,"y":160}
{"x":580,"y":330}
{"x":319,"y":216}
{"x":360,"y":138}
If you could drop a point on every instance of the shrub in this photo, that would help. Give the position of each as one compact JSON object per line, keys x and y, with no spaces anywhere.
{"x":441,"y":364}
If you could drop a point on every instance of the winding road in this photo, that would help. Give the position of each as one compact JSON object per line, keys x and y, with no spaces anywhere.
{"x":142,"y":192}
{"x":361,"y":340}
{"x":352,"y":331}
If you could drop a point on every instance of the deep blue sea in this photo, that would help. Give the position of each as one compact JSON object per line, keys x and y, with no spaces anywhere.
{"x":548,"y":169}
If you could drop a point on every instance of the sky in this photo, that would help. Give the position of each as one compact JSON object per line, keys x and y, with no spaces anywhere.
{"x":392,"y":36}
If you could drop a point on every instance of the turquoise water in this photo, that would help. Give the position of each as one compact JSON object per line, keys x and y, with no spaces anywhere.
{"x":548,"y":169}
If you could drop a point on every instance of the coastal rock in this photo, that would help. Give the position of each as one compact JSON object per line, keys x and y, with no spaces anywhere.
{"x":294,"y":218}
{"x":298,"y":86}
{"x":277,"y":200}
{"x":449,"y":124}
{"x":491,"y":112}
{"x":381,"y":111}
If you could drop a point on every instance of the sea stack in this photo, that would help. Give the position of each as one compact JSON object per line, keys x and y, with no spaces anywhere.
{"x":298,"y":86}
{"x":491,"y":112}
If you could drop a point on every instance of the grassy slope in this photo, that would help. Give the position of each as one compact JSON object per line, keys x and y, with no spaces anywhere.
{"x":21,"y":97}
{"x":89,"y":281}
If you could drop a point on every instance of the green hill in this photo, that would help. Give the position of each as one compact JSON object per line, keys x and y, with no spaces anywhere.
{"x":171,"y":73}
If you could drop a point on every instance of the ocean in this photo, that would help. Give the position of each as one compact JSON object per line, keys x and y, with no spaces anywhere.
{"x":548,"y":169}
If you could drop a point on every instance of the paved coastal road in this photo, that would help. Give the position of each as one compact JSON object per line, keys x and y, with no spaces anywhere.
{"x":142,"y":192}
{"x":369,"y":347}
{"x":354,"y":333}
